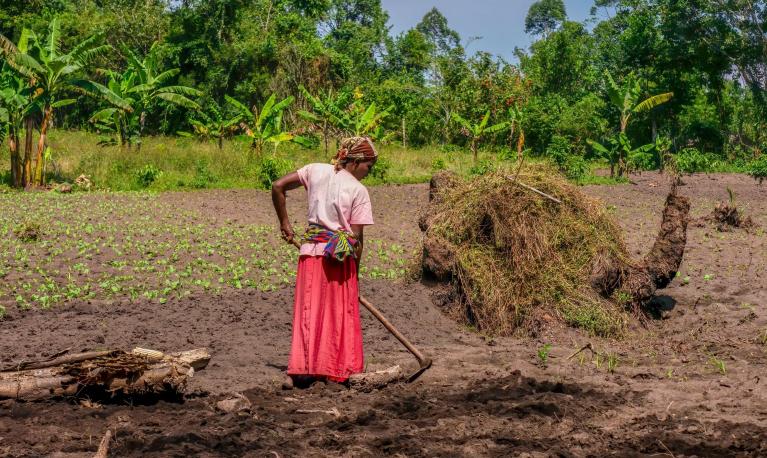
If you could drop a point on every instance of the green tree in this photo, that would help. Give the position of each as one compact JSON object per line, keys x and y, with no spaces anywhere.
{"x":628,"y":100}
{"x":327,"y":112}
{"x":15,"y":106}
{"x":265,"y":125}
{"x":475,"y":131}
{"x":153,"y":83}
{"x":52,"y":73}
{"x":544,"y":16}
{"x":216,"y":122}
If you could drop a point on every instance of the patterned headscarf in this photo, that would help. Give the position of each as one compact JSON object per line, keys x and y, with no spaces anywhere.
{"x":359,"y":148}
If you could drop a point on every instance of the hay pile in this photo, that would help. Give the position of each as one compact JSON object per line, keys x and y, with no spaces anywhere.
{"x":515,"y":259}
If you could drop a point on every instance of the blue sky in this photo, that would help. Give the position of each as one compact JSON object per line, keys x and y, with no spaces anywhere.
{"x":500,"y":23}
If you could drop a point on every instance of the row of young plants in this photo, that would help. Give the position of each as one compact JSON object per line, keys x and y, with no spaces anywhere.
{"x":133,"y":246}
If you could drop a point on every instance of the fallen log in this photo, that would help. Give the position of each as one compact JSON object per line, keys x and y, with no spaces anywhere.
{"x":369,"y":381}
{"x":95,"y":374}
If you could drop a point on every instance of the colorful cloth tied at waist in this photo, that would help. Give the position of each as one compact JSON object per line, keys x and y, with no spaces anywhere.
{"x":338,"y":244}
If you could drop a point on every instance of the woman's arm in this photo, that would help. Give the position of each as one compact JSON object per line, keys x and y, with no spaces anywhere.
{"x":359,"y":234}
{"x":279,"y":199}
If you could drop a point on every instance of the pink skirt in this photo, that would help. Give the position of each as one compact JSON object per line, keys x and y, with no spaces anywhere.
{"x":327,"y":335}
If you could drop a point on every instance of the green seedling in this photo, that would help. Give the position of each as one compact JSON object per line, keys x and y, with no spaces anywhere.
{"x":612,"y":362}
{"x":718,"y":365}
{"x":543,"y":354}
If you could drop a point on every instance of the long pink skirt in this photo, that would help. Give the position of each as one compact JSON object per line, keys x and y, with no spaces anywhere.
{"x":327,"y":335}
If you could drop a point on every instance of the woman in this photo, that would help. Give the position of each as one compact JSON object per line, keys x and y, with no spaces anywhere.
{"x":327,"y":336}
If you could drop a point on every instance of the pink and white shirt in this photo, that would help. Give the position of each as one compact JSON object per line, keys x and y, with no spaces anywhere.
{"x":336,"y":201}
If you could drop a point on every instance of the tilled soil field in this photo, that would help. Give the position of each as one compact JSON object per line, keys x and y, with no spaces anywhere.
{"x":690,"y":383}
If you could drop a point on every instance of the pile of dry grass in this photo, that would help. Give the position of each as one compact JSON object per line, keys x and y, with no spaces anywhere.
{"x":516,"y":259}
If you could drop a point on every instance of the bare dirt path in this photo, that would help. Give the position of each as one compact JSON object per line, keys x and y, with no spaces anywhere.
{"x":690,"y":384}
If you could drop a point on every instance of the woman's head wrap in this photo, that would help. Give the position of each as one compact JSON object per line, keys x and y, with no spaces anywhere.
{"x":355,"y":148}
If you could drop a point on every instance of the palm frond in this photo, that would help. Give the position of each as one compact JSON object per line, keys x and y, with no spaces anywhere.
{"x":484,"y":121}
{"x":178,"y":99}
{"x":166,"y":75}
{"x":63,"y":103}
{"x":88,"y":55}
{"x":652,"y":102}
{"x":27,"y":65}
{"x":7,"y":47}
{"x":94,"y":89}
{"x":102,"y":115}
{"x":497,"y":127}
{"x":181,"y":90}
{"x":54,"y":35}
{"x":614,"y":92}
{"x":463,"y":122}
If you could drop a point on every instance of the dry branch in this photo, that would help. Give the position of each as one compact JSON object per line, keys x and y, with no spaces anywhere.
{"x":109,"y":373}
{"x":103,"y":450}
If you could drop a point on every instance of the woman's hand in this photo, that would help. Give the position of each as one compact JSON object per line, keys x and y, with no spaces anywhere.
{"x":287,"y":231}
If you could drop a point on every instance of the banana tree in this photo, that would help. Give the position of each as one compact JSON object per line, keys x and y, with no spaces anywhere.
{"x":662,"y":148}
{"x":478,"y":130}
{"x":120,"y":116}
{"x":265,"y":125}
{"x":620,"y":147}
{"x":51,"y":73}
{"x":328,"y":112}
{"x":369,"y":122}
{"x":152,"y":83}
{"x":15,"y":106}
{"x":517,"y":118}
{"x":627,"y":99}
{"x":216,"y":122}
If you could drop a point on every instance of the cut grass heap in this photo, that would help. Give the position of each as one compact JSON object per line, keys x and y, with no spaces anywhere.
{"x":517,"y":259}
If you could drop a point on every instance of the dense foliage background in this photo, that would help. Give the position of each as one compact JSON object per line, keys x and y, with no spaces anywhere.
{"x":577,"y":94}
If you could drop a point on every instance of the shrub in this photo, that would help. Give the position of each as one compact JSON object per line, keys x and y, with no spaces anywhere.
{"x":758,"y":168}
{"x":381,"y":169}
{"x":270,"y":168}
{"x":568,"y":161}
{"x":690,"y":160}
{"x":438,"y":164}
{"x":575,"y":167}
{"x":642,"y":160}
{"x":203,"y":176}
{"x":482,"y":167}
{"x":147,"y":175}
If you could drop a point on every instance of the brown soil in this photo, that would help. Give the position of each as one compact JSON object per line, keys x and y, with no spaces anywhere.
{"x":689,"y":384}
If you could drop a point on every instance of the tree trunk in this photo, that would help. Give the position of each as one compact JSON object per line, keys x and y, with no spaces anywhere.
{"x":39,"y":179}
{"x":325,"y":135}
{"x":220,"y":142}
{"x":29,"y":131}
{"x":474,"y":150}
{"x":404,"y":135}
{"x":122,"y":127}
{"x":13,"y":146}
{"x":104,"y":374}
{"x":141,"y":122}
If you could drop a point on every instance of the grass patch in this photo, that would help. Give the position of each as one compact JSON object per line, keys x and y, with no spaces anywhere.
{"x":177,"y":163}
